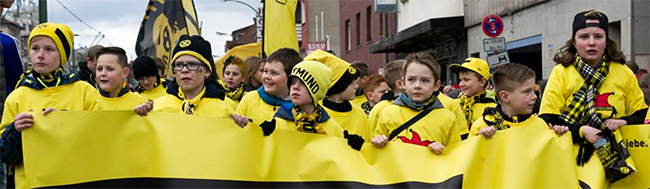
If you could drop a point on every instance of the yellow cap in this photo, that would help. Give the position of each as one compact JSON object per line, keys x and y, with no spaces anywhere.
{"x":316,"y":77}
{"x":474,"y":64}
{"x":343,"y":72}
{"x":59,"y":33}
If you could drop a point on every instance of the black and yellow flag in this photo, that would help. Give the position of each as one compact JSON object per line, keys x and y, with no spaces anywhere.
{"x":279,"y":25}
{"x":119,"y":149}
{"x":164,"y":22}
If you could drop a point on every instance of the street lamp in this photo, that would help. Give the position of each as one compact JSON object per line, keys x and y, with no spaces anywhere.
{"x":222,"y":34}
{"x":244,"y":3}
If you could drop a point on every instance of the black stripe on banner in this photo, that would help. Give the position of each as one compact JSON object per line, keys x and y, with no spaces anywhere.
{"x":453,"y":182}
{"x":583,"y":185}
{"x":64,"y":43}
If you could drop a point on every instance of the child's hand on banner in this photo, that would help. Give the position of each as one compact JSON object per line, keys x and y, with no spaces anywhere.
{"x":23,"y":121}
{"x":379,"y":141}
{"x":143,"y":109}
{"x":488,"y":132}
{"x":559,"y":129}
{"x":436,"y":148}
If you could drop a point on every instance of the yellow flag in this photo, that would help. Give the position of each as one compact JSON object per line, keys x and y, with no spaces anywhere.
{"x":242,"y":51}
{"x":279,"y":25}
{"x":166,"y":150}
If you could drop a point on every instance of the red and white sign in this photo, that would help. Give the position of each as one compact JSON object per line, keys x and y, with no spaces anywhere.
{"x":313,"y":46}
{"x":492,"y":25}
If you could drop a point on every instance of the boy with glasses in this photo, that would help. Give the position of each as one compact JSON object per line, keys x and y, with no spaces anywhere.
{"x":192,"y":92}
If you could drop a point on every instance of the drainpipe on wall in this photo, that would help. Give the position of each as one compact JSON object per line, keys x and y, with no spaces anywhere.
{"x":386,"y":35}
{"x":632,"y":24}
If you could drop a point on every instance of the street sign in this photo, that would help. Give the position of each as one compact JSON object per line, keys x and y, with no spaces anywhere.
{"x":386,"y":6}
{"x":497,"y":59}
{"x":313,"y":46}
{"x":492,"y":25}
{"x":494,"y":44}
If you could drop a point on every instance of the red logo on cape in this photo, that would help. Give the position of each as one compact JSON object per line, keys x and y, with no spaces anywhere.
{"x":415,"y":139}
{"x":602,"y":105}
{"x":601,"y":99}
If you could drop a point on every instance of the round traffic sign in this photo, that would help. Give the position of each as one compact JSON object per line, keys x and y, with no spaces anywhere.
{"x":492,"y":25}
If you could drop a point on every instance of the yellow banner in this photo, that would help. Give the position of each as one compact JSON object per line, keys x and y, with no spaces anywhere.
{"x":242,"y":51}
{"x":120,"y":149}
{"x":280,"y":25}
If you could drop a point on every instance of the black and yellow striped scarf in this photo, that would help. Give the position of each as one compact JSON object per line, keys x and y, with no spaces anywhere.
{"x":497,"y":118}
{"x":365,"y":106}
{"x":236,"y":93}
{"x":309,"y":123}
{"x":466,"y":102}
{"x":38,"y":81}
{"x":582,"y":108}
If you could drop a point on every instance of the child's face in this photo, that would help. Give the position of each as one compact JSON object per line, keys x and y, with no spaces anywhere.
{"x":299,"y":93}
{"x":190,"y":72}
{"x":44,"y":56}
{"x":470,"y":84}
{"x":147,"y":82}
{"x":590,"y":42}
{"x":257,"y":75}
{"x":109,"y":74}
{"x":275,"y":79}
{"x":419,"y":81}
{"x":375,"y":96}
{"x":233,"y":76}
{"x":522,"y":99}
{"x":350,"y":92}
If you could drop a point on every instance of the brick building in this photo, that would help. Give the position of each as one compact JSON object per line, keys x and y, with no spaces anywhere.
{"x":241,"y":36}
{"x":360,"y":26}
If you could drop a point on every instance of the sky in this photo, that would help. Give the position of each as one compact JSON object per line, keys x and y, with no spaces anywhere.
{"x":120,"y":20}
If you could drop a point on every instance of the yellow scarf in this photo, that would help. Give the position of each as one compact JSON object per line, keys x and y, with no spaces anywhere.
{"x":467,"y":102}
{"x":189,"y":106}
{"x":236,"y":93}
{"x":308,"y":123}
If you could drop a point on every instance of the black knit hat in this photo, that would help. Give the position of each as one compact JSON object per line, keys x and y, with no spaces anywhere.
{"x":144,"y":66}
{"x":580,"y":19}
{"x":195,"y":46}
{"x":346,"y":79}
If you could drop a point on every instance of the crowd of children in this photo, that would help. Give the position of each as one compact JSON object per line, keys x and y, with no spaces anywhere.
{"x":324,"y":94}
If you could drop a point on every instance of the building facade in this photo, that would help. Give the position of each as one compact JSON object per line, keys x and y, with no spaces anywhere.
{"x":360,"y":27}
{"x":535,"y":30}
{"x":321,"y":24}
{"x":241,"y":36}
{"x":428,"y":26}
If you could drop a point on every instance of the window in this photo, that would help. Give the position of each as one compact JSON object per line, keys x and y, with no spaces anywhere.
{"x":381,"y":24}
{"x":358,"y":33}
{"x":368,"y":24}
{"x":239,"y":36}
{"x":348,"y":40}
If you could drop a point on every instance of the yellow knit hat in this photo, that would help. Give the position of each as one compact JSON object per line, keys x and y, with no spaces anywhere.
{"x":59,"y":33}
{"x":474,"y":64}
{"x":316,"y":77}
{"x":344,"y":73}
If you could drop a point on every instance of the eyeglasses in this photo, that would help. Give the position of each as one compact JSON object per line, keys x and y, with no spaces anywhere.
{"x":191,"y":66}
